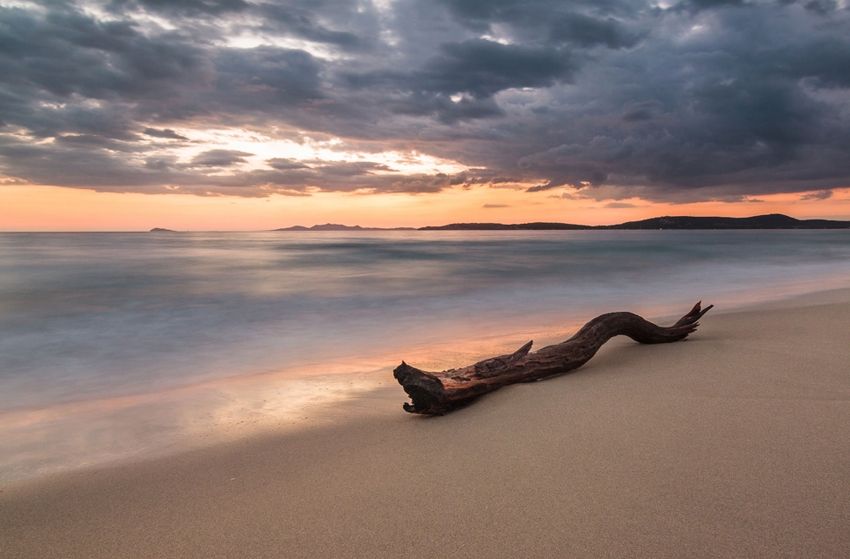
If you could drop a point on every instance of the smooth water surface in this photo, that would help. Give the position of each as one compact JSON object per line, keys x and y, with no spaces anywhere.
{"x":85,"y":315}
{"x":88,"y":316}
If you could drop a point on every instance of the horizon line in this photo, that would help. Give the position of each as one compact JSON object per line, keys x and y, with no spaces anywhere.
{"x":404,"y":227}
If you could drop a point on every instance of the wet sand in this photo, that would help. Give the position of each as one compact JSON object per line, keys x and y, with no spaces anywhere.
{"x":731,"y":444}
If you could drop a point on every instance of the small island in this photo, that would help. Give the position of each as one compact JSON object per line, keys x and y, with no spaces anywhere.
{"x":161,"y":230}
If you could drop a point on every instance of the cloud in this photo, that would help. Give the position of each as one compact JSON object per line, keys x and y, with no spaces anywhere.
{"x":702,"y":100}
{"x":482,"y":68}
{"x":817,"y":195}
{"x":584,"y":30}
{"x":283,"y":164}
{"x":219,"y":158}
{"x":495,"y":206}
{"x":543,"y":187}
{"x":619,"y":205}
{"x":166,"y":133}
{"x":302,"y":22}
{"x":182,"y":7}
{"x":708,"y":4}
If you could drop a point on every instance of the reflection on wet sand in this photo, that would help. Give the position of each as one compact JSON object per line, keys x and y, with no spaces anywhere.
{"x":71,"y":435}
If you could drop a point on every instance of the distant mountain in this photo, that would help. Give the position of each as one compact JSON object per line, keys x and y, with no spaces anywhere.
{"x":770,"y":221}
{"x":162,"y":230}
{"x":338,"y":227}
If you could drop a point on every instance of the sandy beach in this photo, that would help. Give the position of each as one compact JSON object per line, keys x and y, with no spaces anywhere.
{"x":731,"y":444}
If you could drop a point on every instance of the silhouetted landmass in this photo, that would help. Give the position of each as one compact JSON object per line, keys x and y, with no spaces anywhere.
{"x":535,"y":226}
{"x":770,"y":221}
{"x":162,"y":230}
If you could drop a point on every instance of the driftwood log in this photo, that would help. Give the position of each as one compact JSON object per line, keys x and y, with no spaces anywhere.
{"x":438,"y":393}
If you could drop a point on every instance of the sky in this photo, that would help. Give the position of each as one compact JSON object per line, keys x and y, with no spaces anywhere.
{"x":255,"y":114}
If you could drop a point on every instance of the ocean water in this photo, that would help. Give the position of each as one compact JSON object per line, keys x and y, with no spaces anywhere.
{"x":94,"y":322}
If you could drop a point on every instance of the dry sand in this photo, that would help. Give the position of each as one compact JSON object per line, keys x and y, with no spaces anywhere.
{"x":735,"y":443}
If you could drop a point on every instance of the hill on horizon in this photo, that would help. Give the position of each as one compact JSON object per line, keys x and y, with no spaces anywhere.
{"x":768,"y":221}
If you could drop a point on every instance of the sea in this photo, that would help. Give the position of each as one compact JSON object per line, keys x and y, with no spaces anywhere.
{"x":130,"y":345}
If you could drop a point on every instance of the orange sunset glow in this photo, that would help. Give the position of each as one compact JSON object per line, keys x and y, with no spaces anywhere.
{"x":129,"y":115}
{"x":44,"y":208}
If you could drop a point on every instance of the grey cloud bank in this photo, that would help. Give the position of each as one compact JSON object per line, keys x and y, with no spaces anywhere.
{"x":682,"y":101}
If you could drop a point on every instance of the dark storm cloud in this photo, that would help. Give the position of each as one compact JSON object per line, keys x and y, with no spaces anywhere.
{"x":165,"y":133}
{"x":481,"y":68}
{"x":182,"y":7}
{"x":481,"y":13}
{"x":584,"y":30}
{"x":702,"y":99}
{"x":446,"y":110}
{"x":302,"y":22}
{"x":708,"y":4}
{"x":822,"y":6}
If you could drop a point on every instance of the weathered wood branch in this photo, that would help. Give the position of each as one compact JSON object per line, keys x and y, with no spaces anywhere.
{"x":438,"y":393}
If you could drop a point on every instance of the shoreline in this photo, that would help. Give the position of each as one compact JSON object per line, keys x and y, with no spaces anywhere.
{"x":732,"y":443}
{"x":114,"y":431}
{"x":223,"y":410}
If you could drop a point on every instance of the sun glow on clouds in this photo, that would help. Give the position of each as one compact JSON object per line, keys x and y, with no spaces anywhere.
{"x":453,"y":107}
{"x":262,"y":148}
{"x":24,"y":4}
{"x":250,"y":40}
